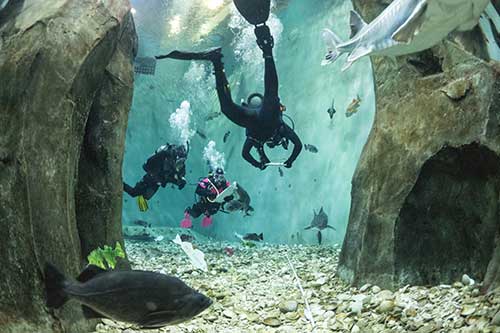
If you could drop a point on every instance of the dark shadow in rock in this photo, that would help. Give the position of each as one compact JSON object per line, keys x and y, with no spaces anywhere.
{"x":448,"y":223}
{"x":426,"y":63}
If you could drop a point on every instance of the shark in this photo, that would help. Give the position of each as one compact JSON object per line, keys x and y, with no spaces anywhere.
{"x":404,"y":27}
{"x":320,"y":221}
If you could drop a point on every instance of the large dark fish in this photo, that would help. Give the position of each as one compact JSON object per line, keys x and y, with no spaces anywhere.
{"x":320,"y":221}
{"x":311,"y":148}
{"x":242,"y":203}
{"x":147,"y":299}
{"x":254,"y":237}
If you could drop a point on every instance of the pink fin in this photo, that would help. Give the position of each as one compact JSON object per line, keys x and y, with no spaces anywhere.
{"x":206,"y":222}
{"x":186,"y":222}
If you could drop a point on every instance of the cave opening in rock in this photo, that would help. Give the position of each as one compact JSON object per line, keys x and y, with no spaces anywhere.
{"x":448,"y":223}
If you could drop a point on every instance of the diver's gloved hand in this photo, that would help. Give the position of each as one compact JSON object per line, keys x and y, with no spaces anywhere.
{"x":181,"y":184}
{"x":288,"y":164}
{"x":265,"y":40}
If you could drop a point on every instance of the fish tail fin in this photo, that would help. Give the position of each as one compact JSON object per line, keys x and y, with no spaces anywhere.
{"x":332,"y":41}
{"x":261,"y":236}
{"x":54,"y":287}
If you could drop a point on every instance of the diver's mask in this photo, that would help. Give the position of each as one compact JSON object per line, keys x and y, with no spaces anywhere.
{"x":219,"y":177}
{"x":254,"y":101}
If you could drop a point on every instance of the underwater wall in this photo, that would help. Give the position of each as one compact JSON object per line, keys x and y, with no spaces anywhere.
{"x":66,"y":81}
{"x":284,"y":203}
{"x":426,"y":193}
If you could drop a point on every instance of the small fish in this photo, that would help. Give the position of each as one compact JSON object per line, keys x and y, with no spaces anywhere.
{"x":142,"y":223}
{"x":254,"y":237}
{"x":201,"y":134}
{"x":281,"y":172}
{"x":311,"y":148}
{"x":212,"y":116}
{"x":353,"y":107}
{"x":146,"y":299}
{"x":187,"y":238}
{"x":226,"y":136}
{"x":331,"y":111}
{"x":159,"y":238}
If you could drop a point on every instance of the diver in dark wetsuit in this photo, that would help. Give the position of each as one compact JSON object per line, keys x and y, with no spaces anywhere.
{"x":263,"y":122}
{"x":166,"y":165}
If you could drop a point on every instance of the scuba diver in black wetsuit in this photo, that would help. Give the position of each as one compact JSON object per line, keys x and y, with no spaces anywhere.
{"x":263,"y":121}
{"x":166,"y":165}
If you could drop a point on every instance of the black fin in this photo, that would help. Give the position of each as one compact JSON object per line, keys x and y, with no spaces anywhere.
{"x":90,"y":313}
{"x":89,"y":272}
{"x":54,"y":287}
{"x":320,"y":237}
{"x":254,"y":11}
{"x":307,"y":228}
{"x":356,"y":23}
{"x":261,"y":236}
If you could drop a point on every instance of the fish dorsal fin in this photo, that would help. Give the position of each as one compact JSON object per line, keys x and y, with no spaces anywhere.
{"x":90,"y":272}
{"x":357,"y":23}
{"x":407,"y":31}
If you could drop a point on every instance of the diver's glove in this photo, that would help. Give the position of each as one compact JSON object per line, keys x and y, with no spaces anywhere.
{"x":265,"y":40}
{"x":181,"y":183}
{"x":288,"y":164}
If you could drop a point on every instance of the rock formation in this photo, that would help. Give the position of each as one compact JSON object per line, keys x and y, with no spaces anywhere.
{"x":426,"y":192}
{"x":66,"y":89}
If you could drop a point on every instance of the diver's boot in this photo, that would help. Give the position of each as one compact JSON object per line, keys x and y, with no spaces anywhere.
{"x":265,"y":40}
{"x":213,"y":54}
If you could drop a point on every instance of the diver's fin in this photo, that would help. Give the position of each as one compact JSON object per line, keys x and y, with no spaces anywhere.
{"x":320,"y":237}
{"x":355,"y":55}
{"x":90,"y":313}
{"x":142,"y":203}
{"x":332,"y":41}
{"x":356,"y":23}
{"x":210,"y":54}
{"x":406,"y":32}
{"x":54,"y":287}
{"x":254,"y":11}
{"x":89,"y":272}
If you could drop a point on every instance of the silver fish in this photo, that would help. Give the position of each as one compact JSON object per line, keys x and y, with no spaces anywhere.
{"x":404,"y":27}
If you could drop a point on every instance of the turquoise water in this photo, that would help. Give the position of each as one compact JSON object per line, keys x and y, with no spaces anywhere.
{"x":283,"y":205}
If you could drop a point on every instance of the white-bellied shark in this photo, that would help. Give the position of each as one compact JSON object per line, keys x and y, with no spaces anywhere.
{"x":404,"y":27}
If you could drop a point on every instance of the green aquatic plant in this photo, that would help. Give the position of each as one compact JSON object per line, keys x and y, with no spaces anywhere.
{"x":249,"y":244}
{"x":106,"y":258}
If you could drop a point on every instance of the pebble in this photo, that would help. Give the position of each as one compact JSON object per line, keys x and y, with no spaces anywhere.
{"x":288,"y":306}
{"x":496,"y":319}
{"x":255,"y":291}
{"x":386,"y":306}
